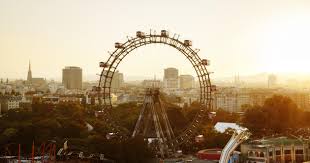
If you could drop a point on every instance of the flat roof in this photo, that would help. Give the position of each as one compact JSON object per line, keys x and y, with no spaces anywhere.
{"x":277,"y":141}
{"x":72,"y":67}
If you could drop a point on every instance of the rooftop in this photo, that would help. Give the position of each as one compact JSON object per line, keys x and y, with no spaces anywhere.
{"x":276,"y":141}
{"x":223,"y":126}
{"x":72,"y":67}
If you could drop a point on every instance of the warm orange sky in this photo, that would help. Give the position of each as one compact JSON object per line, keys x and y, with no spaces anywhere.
{"x":238,"y":36}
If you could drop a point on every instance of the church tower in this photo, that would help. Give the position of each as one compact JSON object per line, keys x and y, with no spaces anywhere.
{"x":29,"y":76}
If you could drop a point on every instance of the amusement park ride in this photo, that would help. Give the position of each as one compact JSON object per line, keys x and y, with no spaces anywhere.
{"x":153,"y":121}
{"x":153,"y":112}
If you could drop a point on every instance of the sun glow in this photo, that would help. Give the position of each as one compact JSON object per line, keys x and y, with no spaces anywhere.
{"x":286,"y":45}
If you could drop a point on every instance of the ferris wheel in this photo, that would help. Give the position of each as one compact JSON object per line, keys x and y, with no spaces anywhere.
{"x":103,"y":90}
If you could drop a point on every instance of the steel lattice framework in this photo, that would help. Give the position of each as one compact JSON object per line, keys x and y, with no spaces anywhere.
{"x":141,"y":39}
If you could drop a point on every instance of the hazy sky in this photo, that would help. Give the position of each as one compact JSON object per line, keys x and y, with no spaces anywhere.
{"x":238,"y":36}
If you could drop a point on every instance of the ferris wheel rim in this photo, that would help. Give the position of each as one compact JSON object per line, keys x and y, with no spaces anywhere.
{"x":133,"y":43}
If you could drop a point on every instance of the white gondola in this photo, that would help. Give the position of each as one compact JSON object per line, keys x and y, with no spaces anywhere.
{"x":188,"y":43}
{"x":164,"y":33}
{"x":140,"y":34}
{"x":205,"y":62}
{"x":119,"y":45}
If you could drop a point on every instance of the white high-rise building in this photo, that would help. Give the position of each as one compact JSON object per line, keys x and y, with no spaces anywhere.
{"x":186,"y":81}
{"x":231,"y":99}
{"x":171,"y":78}
{"x":117,"y":80}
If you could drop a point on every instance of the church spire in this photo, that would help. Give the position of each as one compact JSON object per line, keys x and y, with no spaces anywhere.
{"x":29,"y":76}
{"x":29,"y":69}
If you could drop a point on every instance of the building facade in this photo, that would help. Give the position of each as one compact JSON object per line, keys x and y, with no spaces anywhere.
{"x":9,"y":102}
{"x":171,"y":78}
{"x":231,"y":99}
{"x":186,"y":81}
{"x":72,"y":77}
{"x":117,"y":80}
{"x":151,"y":83}
{"x":276,"y":150}
{"x":38,"y":81}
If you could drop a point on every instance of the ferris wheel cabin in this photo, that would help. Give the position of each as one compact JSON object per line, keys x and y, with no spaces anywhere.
{"x":188,"y":43}
{"x":140,"y":34}
{"x":103,"y":64}
{"x":205,"y":62}
{"x":119,"y":45}
{"x":164,"y":33}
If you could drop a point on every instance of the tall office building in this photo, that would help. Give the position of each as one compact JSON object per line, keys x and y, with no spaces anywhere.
{"x":171,"y":78}
{"x":171,"y":73}
{"x":72,"y":77}
{"x":118,"y":80}
{"x":186,"y":81}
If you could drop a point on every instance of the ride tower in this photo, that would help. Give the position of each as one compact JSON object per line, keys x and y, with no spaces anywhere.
{"x":153,"y":123}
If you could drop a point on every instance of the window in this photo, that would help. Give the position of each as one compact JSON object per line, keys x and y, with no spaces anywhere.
{"x":270,"y":153}
{"x":251,"y":153}
{"x":278,"y":152}
{"x":256,"y":154}
{"x":287,"y":152}
{"x":299,"y":152}
{"x":262,"y":154}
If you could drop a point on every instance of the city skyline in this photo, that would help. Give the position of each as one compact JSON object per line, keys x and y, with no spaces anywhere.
{"x":214,"y":81}
{"x":258,"y":78}
{"x":263,"y":36}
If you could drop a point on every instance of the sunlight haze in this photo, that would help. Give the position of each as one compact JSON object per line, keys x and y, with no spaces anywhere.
{"x":239,"y":36}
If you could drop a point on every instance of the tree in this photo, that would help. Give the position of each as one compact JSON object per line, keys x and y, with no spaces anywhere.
{"x":177,"y":120}
{"x":282,"y":113}
{"x":10,"y":132}
{"x":225,"y":116}
{"x":278,"y":114}
{"x":136,"y":150}
{"x":255,"y":119}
